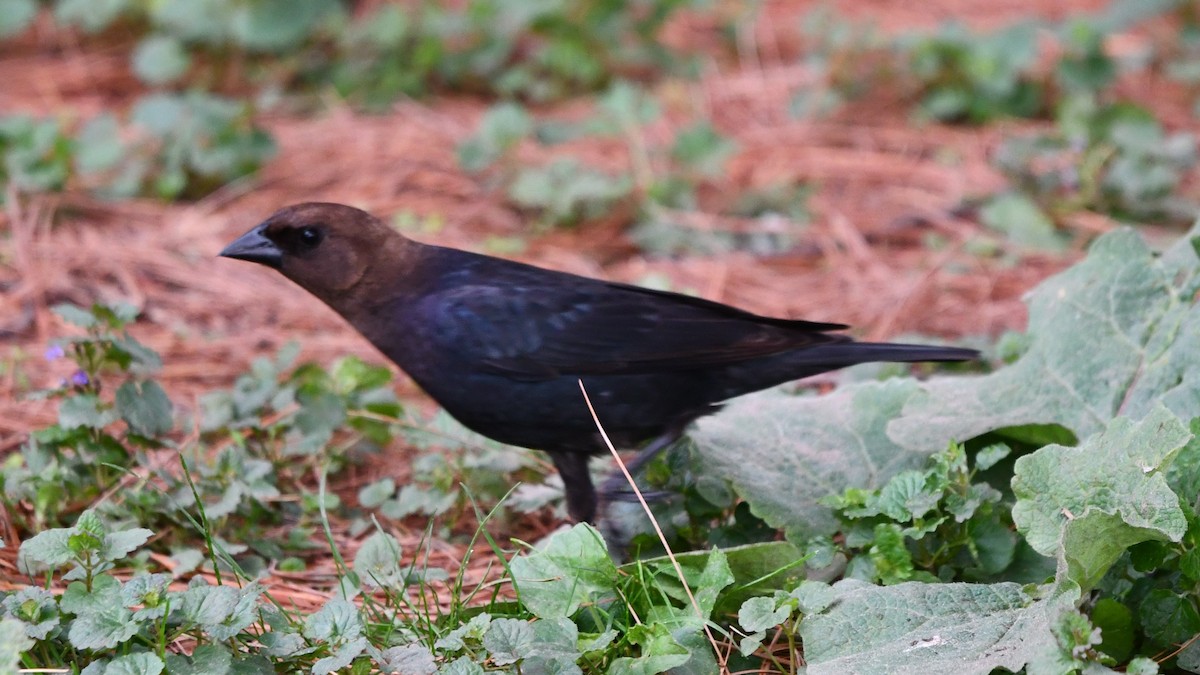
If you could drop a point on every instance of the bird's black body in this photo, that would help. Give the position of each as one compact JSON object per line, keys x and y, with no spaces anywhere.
{"x":502,"y":346}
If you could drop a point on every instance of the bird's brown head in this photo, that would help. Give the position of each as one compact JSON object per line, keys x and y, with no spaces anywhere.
{"x":327,"y":249}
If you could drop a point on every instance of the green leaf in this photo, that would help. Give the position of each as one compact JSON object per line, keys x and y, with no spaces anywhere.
{"x":988,"y":457}
{"x":501,"y":128}
{"x":1114,"y":334}
{"x":629,"y":105}
{"x":715,"y":577}
{"x":415,"y":659}
{"x":352,"y":374}
{"x":892,"y":560}
{"x":119,"y":544}
{"x":1089,"y":504}
{"x":1168,"y":617}
{"x":36,"y":607}
{"x":660,"y":651}
{"x":141,"y":360}
{"x":701,"y":149}
{"x":15,"y":17}
{"x":50,"y":547}
{"x":205,"y":659}
{"x":13,"y":643}
{"x":90,"y":15}
{"x":74,"y":314}
{"x":98,"y":148}
{"x":461,"y":666}
{"x":1115,"y":622}
{"x":472,"y":630}
{"x":1022,"y":221}
{"x":783,"y":453}
{"x":205,"y":604}
{"x":145,"y":408}
{"x":959,"y":628}
{"x":761,"y":613}
{"x":757,"y":569}
{"x":571,"y":568}
{"x":84,"y":410}
{"x":377,"y":562}
{"x":276,"y":25}
{"x":1189,"y":658}
{"x":141,"y":663}
{"x":160,"y":59}
{"x":101,"y":620}
{"x":557,"y":647}
{"x":813,"y":596}
{"x":904,"y":497}
{"x":565,"y":191}
{"x":343,"y":656}
{"x":1142,"y":665}
{"x":337,"y":619}
{"x":194,"y":21}
{"x":374,"y":494}
{"x":221,"y":611}
{"x":508,"y":640}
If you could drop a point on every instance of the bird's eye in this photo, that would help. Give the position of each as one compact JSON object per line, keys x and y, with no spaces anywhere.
{"x":311,"y":236}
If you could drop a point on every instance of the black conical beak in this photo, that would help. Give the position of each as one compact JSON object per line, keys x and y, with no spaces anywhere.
{"x":255,"y":247}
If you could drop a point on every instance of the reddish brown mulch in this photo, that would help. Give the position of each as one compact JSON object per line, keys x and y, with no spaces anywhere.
{"x":884,"y":184}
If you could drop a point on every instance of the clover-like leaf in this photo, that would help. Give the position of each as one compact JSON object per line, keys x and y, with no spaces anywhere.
{"x":336,"y":622}
{"x":571,"y":568}
{"x":508,"y":640}
{"x":377,"y":562}
{"x":413,"y":659}
{"x":139,"y":663}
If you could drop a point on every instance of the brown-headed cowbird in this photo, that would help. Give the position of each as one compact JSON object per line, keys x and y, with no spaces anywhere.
{"x":502,"y":345}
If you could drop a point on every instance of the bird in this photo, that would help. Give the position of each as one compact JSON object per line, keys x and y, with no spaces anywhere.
{"x":503,"y":346}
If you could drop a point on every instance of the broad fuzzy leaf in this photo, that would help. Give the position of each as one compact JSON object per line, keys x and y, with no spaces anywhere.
{"x":931,"y":628}
{"x":1089,"y":504}
{"x":1111,"y":335}
{"x":1115,"y":334}
{"x":784,"y":452}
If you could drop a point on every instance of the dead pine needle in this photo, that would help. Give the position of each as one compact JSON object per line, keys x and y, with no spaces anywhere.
{"x":657,"y":530}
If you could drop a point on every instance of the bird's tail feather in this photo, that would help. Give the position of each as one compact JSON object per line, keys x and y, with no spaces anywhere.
{"x":849,"y":353}
{"x":818,"y":359}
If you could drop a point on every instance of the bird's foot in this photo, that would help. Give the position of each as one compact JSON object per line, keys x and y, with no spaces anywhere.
{"x":616,"y":489}
{"x":626,"y":494}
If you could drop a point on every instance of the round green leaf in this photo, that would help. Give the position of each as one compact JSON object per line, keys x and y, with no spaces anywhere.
{"x":160,"y":59}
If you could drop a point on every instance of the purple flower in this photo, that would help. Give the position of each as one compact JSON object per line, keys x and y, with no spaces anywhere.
{"x":79,"y":378}
{"x":54,"y":353}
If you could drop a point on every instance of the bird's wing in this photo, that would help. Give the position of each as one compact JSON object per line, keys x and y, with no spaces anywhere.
{"x":541,"y":331}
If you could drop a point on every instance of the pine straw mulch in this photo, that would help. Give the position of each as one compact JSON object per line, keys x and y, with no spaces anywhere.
{"x":885,"y":185}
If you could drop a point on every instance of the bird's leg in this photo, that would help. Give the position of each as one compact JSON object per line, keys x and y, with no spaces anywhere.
{"x":577,"y":483}
{"x":616,"y":487}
